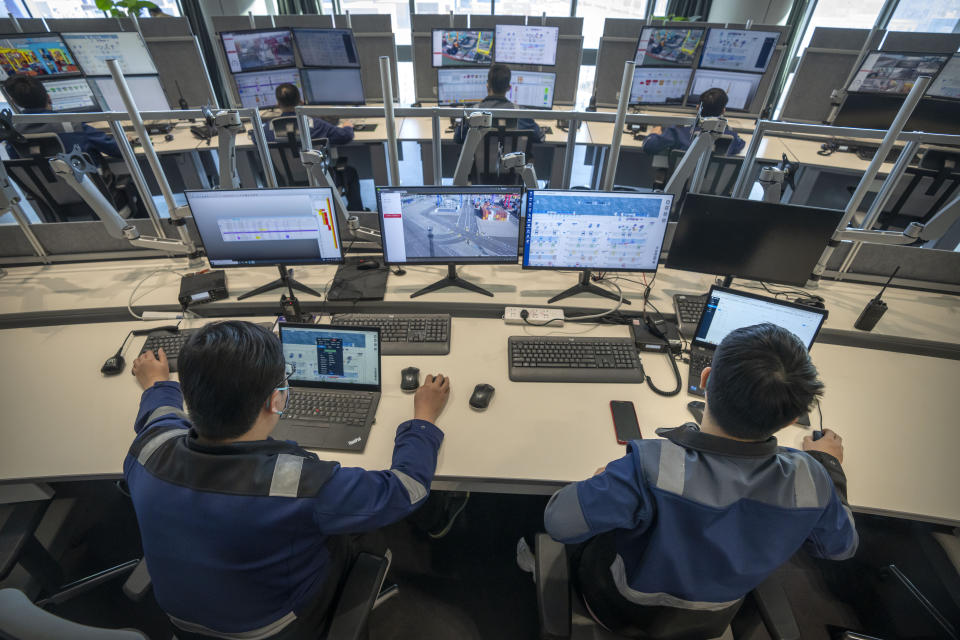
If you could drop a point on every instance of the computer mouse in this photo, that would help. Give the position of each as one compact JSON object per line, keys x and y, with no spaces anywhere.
{"x":168,"y":137}
{"x":410,"y":379}
{"x":113,"y":365}
{"x":482,"y":394}
{"x":365,"y":265}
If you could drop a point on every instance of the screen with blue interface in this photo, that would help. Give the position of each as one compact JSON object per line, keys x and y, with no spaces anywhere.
{"x":519,"y":44}
{"x":461,"y":86}
{"x":459,"y":47}
{"x":266,"y":226}
{"x":39,"y":55}
{"x":327,"y":47}
{"x":595,"y":230}
{"x":258,"y":89}
{"x":256,"y":50}
{"x":92,"y":51}
{"x":332,"y":354}
{"x":71,"y":95}
{"x":947,"y":84}
{"x":659,"y":86}
{"x":532,"y":89}
{"x":894,"y":73}
{"x":668,"y":47}
{"x":740,"y":87}
{"x":727,"y":311}
{"x":739,"y":50}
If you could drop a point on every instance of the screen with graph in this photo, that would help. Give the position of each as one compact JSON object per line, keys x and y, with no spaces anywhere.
{"x":258,"y":89}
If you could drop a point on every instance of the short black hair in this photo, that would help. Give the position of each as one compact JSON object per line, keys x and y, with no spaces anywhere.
{"x":288,"y":95}
{"x":761,"y":380}
{"x":227,"y":373}
{"x":499,"y":79}
{"x":713,"y":102}
{"x":26,"y":91}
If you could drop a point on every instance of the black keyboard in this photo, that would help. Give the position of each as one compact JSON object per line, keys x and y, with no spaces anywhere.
{"x":171,"y":343}
{"x":404,"y":334}
{"x":365,"y":126}
{"x":699,"y":362}
{"x":557,"y":359}
{"x":338,"y":408}
{"x":688,"y":309}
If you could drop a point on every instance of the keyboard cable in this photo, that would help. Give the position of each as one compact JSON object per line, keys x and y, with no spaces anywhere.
{"x":136,"y":288}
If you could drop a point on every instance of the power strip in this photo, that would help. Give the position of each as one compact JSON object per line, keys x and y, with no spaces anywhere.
{"x":536,"y":316}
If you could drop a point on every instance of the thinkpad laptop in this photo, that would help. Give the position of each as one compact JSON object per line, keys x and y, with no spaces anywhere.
{"x":727,"y":310}
{"x":334,"y":388}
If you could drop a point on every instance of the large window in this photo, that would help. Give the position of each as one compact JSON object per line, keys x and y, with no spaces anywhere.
{"x":457,"y":6}
{"x":84,"y":8}
{"x":594,"y":12}
{"x":398,"y":10}
{"x":532,"y":8}
{"x":931,"y":16}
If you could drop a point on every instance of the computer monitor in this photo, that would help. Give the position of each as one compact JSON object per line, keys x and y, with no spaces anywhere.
{"x":531,"y":89}
{"x":518,"y":44}
{"x":894,"y":72}
{"x":94,"y":49}
{"x":146,"y":90}
{"x":258,"y":89}
{"x":740,"y":87}
{"x":877,"y":111}
{"x":457,"y":87}
{"x":71,"y":95}
{"x":947,"y":83}
{"x":459,"y":47}
{"x":738,"y":49}
{"x":332,"y":86}
{"x":767,"y":241}
{"x":674,"y":47}
{"x":659,"y":86}
{"x":258,"y":49}
{"x":43,"y":54}
{"x":256,"y":227}
{"x":327,"y":47}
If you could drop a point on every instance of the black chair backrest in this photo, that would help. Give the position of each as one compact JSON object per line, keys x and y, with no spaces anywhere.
{"x":285,"y":152}
{"x":39,"y":144}
{"x":497,"y":143}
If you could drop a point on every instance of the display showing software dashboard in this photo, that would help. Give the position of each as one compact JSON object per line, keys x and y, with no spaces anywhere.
{"x":659,"y":86}
{"x":92,"y":51}
{"x":740,"y":87}
{"x":266,"y":226}
{"x":341,"y":356}
{"x":595,"y":230}
{"x":258,"y":89}
{"x":728,"y":311}
{"x":518,"y":44}
{"x":327,"y":47}
{"x":739,"y":50}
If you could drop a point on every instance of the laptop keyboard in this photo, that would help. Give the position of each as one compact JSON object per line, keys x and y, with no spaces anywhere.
{"x":699,"y":362}
{"x":339,"y":408}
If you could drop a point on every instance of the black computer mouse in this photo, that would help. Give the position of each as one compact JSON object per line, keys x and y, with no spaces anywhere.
{"x":113,"y":365}
{"x":482,"y":394}
{"x":410,"y":379}
{"x":368,"y":264}
{"x":168,"y":137}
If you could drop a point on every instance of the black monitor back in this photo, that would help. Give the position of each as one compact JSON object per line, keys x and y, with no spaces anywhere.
{"x":877,"y":111}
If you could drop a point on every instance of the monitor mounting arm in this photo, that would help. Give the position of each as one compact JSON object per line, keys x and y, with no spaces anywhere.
{"x":227,"y":125}
{"x":693,"y":165}
{"x":518,"y":159}
{"x":932,"y":230}
{"x":478,"y":124}
{"x":317,"y":164}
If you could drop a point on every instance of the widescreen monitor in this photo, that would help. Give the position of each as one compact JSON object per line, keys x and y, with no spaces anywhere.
{"x":259,"y":49}
{"x":894,"y":73}
{"x":606,"y":231}
{"x":71,"y":95}
{"x":674,"y":47}
{"x":92,"y":51}
{"x":947,"y":83}
{"x":258,"y":89}
{"x":327,"y":47}
{"x":738,"y":49}
{"x":459,"y":47}
{"x":256,"y":227}
{"x":147,"y":93}
{"x":518,"y":44}
{"x":43,"y":55}
{"x":532,"y":89}
{"x":457,"y":87}
{"x":740,"y":87}
{"x":877,"y":111}
{"x":659,"y":86}
{"x":766,"y":241}
{"x":332,"y":86}
{"x":449,"y":225}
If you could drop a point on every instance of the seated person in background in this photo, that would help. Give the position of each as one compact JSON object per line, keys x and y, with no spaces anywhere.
{"x":31,"y":96}
{"x":241,"y":532}
{"x":713,"y":103}
{"x":693,"y":522}
{"x":498,"y":83}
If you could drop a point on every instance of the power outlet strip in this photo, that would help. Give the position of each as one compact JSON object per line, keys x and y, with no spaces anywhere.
{"x":536,"y":316}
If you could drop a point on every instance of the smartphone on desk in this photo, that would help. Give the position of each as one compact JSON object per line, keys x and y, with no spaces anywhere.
{"x":625,"y":423}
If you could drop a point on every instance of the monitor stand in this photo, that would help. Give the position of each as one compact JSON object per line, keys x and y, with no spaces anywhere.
{"x":285,"y":281}
{"x":585,"y":286}
{"x":727,"y":282}
{"x":452,"y":280}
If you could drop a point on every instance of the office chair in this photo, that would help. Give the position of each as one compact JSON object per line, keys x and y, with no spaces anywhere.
{"x":486,"y":163}
{"x":285,"y":152}
{"x":20,"y":619}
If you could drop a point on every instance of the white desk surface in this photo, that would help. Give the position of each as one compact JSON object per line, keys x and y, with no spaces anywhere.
{"x":421,"y":130}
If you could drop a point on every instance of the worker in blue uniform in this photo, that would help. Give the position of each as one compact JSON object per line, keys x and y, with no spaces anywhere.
{"x":713,"y":103}
{"x":241,"y":533}
{"x":498,"y":83}
{"x":686,"y":525}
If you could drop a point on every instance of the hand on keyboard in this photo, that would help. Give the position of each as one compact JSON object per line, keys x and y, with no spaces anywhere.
{"x":431,"y":398}
{"x":150,"y":368}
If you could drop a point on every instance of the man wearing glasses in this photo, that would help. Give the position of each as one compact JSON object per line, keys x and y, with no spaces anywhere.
{"x":242,"y":534}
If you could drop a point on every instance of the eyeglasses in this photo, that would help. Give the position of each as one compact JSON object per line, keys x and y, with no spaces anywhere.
{"x":288,"y":370}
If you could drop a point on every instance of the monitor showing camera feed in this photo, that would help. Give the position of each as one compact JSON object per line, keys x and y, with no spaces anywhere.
{"x":674,"y":47}
{"x":249,"y":227}
{"x":659,"y":86}
{"x":327,"y":47}
{"x":894,"y":73}
{"x":71,"y":95}
{"x":332,"y":86}
{"x":603,"y":230}
{"x":45,"y":55}
{"x":457,"y":87}
{"x":92,"y":51}
{"x":449,"y":225}
{"x":459,"y":47}
{"x":146,"y":90}
{"x":258,"y":89}
{"x":947,"y":84}
{"x":740,"y":87}
{"x":738,"y":49}
{"x":256,"y":50}
{"x":518,"y":44}
{"x":532,"y":89}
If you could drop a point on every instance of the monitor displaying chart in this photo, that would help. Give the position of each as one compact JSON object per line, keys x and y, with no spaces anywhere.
{"x":659,"y":86}
{"x":256,"y":50}
{"x":947,"y":84}
{"x":459,"y":47}
{"x":740,"y":87}
{"x":457,"y":87}
{"x":518,"y":44}
{"x":668,"y":47}
{"x":895,"y":73}
{"x":739,"y":49}
{"x":327,"y":47}
{"x":45,"y":55}
{"x":94,"y":49}
{"x":71,"y":95}
{"x":332,"y":86}
{"x":147,"y":93}
{"x":532,"y":89}
{"x":258,"y":89}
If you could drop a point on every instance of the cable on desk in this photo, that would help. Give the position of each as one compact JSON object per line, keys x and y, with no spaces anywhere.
{"x":524,"y":314}
{"x":605,"y":313}
{"x":130,"y":300}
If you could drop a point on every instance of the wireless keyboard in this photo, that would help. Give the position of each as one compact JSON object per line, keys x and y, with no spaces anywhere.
{"x":404,"y":334}
{"x":171,"y":343}
{"x":574,"y":359}
{"x":688,"y":309}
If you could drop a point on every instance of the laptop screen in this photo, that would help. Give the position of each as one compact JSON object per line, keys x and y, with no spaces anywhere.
{"x":728,"y":310}
{"x":332,"y":357}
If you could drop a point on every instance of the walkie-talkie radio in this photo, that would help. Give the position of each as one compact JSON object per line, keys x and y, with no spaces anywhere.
{"x":875,"y":309}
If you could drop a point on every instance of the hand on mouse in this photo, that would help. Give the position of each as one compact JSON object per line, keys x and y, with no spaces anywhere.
{"x":149,"y":369}
{"x":830,"y":443}
{"x":430,"y":398}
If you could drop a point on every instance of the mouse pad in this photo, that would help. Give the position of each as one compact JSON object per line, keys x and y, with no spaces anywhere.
{"x":351,"y":283}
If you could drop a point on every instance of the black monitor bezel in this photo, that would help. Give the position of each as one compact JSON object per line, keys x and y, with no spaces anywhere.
{"x":47,"y":34}
{"x":303,"y":62}
{"x":556,"y":49}
{"x":668,"y":65}
{"x":463,"y":64}
{"x":305,"y":86}
{"x":689,"y":71}
{"x":930,"y":96}
{"x":703,"y":50}
{"x":346,"y":386}
{"x":903,"y":53}
{"x":95,"y":108}
{"x":226,"y":57}
{"x":456,"y":68}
